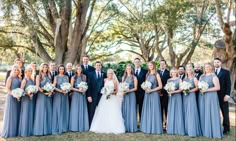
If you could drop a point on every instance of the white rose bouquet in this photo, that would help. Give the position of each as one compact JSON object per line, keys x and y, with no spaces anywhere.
{"x":83,"y":86}
{"x":170,"y":86}
{"x":17,"y":93}
{"x":47,"y":88}
{"x":185,"y":86}
{"x":202,"y":85}
{"x":66,"y":87}
{"x":146,"y":85}
{"x":106,"y":90}
{"x":124,"y":86}
{"x":31,"y":89}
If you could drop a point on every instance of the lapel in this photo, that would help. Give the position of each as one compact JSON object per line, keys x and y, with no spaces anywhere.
{"x":220,"y":73}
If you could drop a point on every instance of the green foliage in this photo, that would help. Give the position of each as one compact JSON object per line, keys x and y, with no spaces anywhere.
{"x":119,"y":68}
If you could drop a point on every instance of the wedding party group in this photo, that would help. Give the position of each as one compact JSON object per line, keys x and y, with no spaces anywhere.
{"x":187,"y":100}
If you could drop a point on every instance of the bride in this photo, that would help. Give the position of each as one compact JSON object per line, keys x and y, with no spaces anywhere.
{"x":108,"y":115}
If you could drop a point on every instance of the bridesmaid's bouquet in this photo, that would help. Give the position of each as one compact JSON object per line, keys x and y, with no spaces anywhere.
{"x":170,"y":86}
{"x":203,"y":85}
{"x":17,"y":93}
{"x":65,"y":87}
{"x":124,"y":86}
{"x":83,"y":86}
{"x":185,"y":86}
{"x":146,"y":85}
{"x":107,"y":91}
{"x":47,"y":88}
{"x":31,"y":89}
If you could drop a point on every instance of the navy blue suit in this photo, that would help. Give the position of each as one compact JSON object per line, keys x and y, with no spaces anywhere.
{"x":87,"y":71}
{"x":140,"y":92}
{"x":164,"y":95}
{"x":225,"y":89}
{"x":94,"y":90}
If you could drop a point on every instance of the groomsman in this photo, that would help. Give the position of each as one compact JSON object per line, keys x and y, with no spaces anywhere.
{"x":181,"y":72}
{"x":165,"y":75}
{"x":140,"y":73}
{"x":19,"y":63}
{"x":52,"y":69}
{"x":197,"y":74}
{"x":86,"y":67}
{"x":69,"y":71}
{"x":35,"y":71}
{"x":197,"y":71}
{"x":95,"y":84}
{"x":223,"y":93}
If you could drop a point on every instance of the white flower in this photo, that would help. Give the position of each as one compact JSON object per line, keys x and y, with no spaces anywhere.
{"x":31,"y":89}
{"x":107,"y":90}
{"x":170,"y":86}
{"x":17,"y":93}
{"x":146,"y":85}
{"x":202,"y":85}
{"x":48,"y":87}
{"x":124,"y":86}
{"x":65,"y":86}
{"x":185,"y":86}
{"x":83,"y":86}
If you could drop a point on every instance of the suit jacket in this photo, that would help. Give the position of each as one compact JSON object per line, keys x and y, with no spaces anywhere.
{"x":52,"y":76}
{"x":90,"y":69}
{"x":182,"y":78}
{"x":141,"y":78}
{"x":164,"y":78}
{"x":95,"y":85}
{"x":70,"y":76}
{"x":197,"y":75}
{"x":225,"y":83}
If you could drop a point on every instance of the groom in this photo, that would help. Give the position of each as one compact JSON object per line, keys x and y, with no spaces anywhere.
{"x":95,"y":84}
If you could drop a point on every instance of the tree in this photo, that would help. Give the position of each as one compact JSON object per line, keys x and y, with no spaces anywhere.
{"x":226,"y":48}
{"x":57,"y":26}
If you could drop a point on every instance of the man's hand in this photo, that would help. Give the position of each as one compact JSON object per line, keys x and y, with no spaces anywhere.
{"x":90,"y":99}
{"x":226,"y":98}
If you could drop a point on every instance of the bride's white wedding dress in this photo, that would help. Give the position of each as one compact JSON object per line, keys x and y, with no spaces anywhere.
{"x":108,"y":116}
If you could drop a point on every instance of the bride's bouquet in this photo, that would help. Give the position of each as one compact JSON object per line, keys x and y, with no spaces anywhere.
{"x":146,"y":85}
{"x":47,"y":88}
{"x":185,"y":86}
{"x":17,"y":93}
{"x":170,"y":86}
{"x":124,"y":86}
{"x":82,"y":86}
{"x":106,"y":90}
{"x":65,"y":87}
{"x":31,"y":89}
{"x":202,"y":85}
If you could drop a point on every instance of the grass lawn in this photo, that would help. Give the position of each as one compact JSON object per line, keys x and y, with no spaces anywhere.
{"x":88,"y":136}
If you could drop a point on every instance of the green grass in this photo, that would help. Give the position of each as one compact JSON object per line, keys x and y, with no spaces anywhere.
{"x":88,"y":136}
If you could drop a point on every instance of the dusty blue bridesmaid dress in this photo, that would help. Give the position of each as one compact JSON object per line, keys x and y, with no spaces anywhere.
{"x":129,"y":107}
{"x":12,"y":112}
{"x":78,"y":111}
{"x":27,"y":113}
{"x":151,"y":119}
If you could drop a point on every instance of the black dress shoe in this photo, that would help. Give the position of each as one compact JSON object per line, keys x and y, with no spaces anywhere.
{"x":226,"y":132}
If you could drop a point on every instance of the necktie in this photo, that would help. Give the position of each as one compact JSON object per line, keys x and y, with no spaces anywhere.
{"x":86,"y":67}
{"x":97,"y":75}
{"x":216,"y":71}
{"x":162,"y":72}
{"x":136,"y":72}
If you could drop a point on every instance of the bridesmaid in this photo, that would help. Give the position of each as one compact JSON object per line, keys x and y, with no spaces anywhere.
{"x":60,"y":117}
{"x":12,"y":109}
{"x":27,"y":106}
{"x":192,"y":123}
{"x":151,"y":121}
{"x":43,"y":106}
{"x":78,"y":111}
{"x":129,"y":100}
{"x":211,"y":113}
{"x":175,"y":120}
